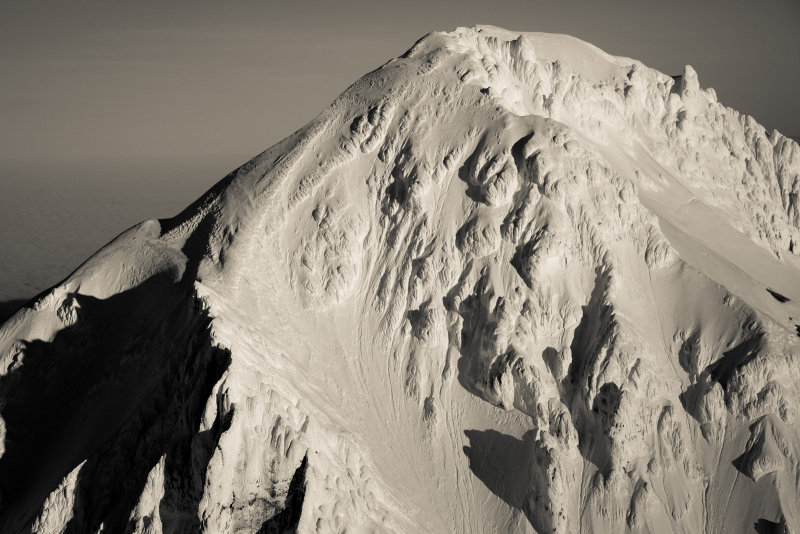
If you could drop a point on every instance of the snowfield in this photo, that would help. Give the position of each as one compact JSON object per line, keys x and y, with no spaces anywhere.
{"x":504,"y":283}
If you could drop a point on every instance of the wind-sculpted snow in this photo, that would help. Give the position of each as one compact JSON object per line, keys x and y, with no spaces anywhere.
{"x":506,"y":282}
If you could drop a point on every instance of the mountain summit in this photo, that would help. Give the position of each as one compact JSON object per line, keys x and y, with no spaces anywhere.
{"x":505,"y":282}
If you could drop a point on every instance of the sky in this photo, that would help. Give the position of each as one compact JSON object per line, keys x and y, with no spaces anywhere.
{"x":154,"y":79}
{"x":112,"y":112}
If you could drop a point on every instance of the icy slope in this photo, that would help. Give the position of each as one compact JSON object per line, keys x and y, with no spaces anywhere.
{"x":506,"y":282}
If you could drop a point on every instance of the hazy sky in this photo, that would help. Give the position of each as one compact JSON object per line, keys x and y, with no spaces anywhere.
{"x":154,"y":79}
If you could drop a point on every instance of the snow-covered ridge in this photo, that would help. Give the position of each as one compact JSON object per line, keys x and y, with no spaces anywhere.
{"x":504,"y":282}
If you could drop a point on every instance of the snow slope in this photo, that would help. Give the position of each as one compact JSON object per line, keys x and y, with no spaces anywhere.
{"x":505,"y":282}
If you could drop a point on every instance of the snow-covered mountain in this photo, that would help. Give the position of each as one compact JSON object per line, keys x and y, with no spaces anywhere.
{"x":505,"y":282}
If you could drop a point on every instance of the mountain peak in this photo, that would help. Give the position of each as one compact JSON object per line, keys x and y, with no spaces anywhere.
{"x":505,"y":281}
